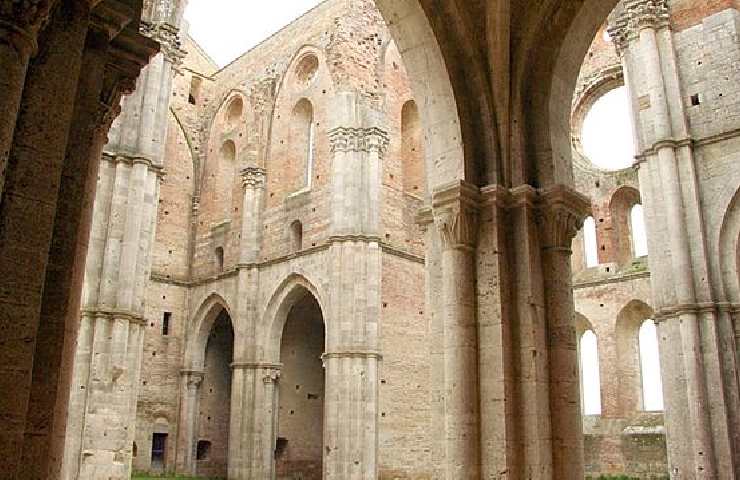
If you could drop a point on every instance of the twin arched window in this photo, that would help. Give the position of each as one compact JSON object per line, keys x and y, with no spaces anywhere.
{"x":649,"y":359}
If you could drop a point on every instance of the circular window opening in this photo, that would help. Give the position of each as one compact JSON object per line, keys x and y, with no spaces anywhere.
{"x":306,"y":69}
{"x":607,"y":131}
{"x":236,"y":108}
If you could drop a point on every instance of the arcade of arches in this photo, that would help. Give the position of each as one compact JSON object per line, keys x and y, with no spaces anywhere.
{"x":379,"y":245}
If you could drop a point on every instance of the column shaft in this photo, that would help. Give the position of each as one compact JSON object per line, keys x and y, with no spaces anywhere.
{"x":27,"y":215}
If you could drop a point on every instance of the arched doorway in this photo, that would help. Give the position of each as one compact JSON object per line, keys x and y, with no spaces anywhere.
{"x":299,"y":443}
{"x":214,"y":415}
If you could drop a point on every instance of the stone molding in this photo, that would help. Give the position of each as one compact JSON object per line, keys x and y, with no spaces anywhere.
{"x":455,"y":209}
{"x":366,"y":354}
{"x":20,"y":21}
{"x":114,"y":314}
{"x":368,"y":140}
{"x":256,"y":366}
{"x":253,"y":177}
{"x":674,"y":311}
{"x":132,"y":160}
{"x":637,"y":15}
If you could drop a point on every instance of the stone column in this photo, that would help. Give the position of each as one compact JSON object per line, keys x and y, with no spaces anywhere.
{"x":108,"y":362}
{"x":700,"y":381}
{"x":351,"y":415}
{"x":108,"y":75}
{"x":27,"y":212}
{"x":456,"y":219}
{"x":187,"y":427}
{"x":561,"y":214}
{"x":353,"y":314}
{"x":357,"y":152}
{"x":19,"y":25}
{"x":253,"y":430}
{"x":253,"y":180}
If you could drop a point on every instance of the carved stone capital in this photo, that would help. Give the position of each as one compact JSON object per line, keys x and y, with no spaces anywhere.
{"x":635,"y":15}
{"x":20,"y":22}
{"x":253,"y":177}
{"x":344,"y":139}
{"x":129,"y":53}
{"x":456,"y":214}
{"x":561,"y":212}
{"x":193,"y":378}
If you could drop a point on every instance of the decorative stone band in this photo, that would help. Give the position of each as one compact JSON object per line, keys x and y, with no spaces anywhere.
{"x":20,"y":21}
{"x":194,"y":378}
{"x":659,"y":145}
{"x":354,"y":238}
{"x":168,"y":37}
{"x":256,"y":366}
{"x":362,"y":354}
{"x":112,"y":314}
{"x":666,"y":313}
{"x":637,"y":15}
{"x":253,"y":177}
{"x":132,"y":160}
{"x":345,"y":139}
{"x":272,"y":370}
{"x":455,"y":212}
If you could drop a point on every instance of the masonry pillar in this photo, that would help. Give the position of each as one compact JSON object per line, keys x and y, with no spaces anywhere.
{"x":560,"y":215}
{"x":456,"y":218}
{"x":352,"y":317}
{"x":34,"y":168}
{"x":108,"y":358}
{"x":254,"y":403}
{"x":187,"y":427}
{"x":700,"y":381}
{"x":19,"y":25}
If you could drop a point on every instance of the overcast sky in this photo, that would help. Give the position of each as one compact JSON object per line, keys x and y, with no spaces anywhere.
{"x":228,"y":28}
{"x":607,"y":131}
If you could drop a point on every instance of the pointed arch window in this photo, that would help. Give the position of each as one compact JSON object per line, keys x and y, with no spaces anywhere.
{"x":590,"y":243}
{"x":305,"y":138}
{"x":652,"y":383}
{"x":412,"y":159}
{"x":639,"y":236}
{"x":590,"y":377}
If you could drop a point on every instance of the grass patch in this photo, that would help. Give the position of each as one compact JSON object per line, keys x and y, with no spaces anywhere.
{"x":168,"y":476}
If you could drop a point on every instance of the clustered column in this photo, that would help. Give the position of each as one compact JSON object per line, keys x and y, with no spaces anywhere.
{"x":108,"y":359}
{"x":456,"y":218}
{"x":187,"y":430}
{"x":352,"y":359}
{"x":253,"y":430}
{"x":67,"y":95}
{"x":699,"y":375}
